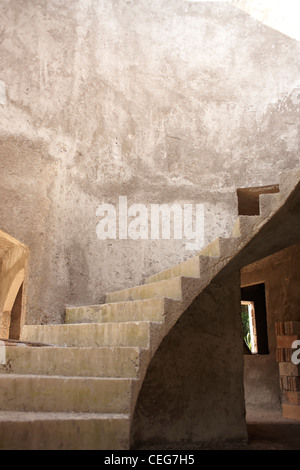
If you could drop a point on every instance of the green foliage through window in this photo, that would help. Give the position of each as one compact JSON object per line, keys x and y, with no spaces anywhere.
{"x":246,"y":326}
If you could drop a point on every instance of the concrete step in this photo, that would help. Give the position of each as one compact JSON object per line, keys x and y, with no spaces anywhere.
{"x":245,"y":226}
{"x":65,"y":394}
{"x":63,"y":431}
{"x":269,"y":204}
{"x":192,"y":267}
{"x":288,"y":180}
{"x":170,"y":288}
{"x":135,"y":334}
{"x":137,"y":310}
{"x":69,"y":361}
{"x":188,"y":268}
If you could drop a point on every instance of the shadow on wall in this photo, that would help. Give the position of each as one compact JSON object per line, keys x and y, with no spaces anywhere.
{"x":13,"y":283}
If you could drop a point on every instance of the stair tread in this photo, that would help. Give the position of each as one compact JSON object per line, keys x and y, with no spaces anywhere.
{"x":62,"y":377}
{"x":90,"y":324}
{"x":150,"y":284}
{"x":154,"y":282}
{"x":88,"y":348}
{"x":167,"y":288}
{"x":108,"y":304}
{"x":55,"y":415}
{"x":104,"y":323}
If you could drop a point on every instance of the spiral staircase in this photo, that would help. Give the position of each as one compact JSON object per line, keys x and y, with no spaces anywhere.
{"x":75,"y":385}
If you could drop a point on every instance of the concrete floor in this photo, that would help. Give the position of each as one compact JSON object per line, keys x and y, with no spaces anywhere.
{"x":267,"y":430}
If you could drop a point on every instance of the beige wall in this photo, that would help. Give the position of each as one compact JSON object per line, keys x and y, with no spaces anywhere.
{"x":161,"y":101}
{"x":281,"y":275}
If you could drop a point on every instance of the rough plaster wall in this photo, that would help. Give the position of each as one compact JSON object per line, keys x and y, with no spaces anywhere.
{"x":281,"y":275}
{"x":161,"y":101}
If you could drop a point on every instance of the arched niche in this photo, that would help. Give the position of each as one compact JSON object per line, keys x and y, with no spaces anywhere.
{"x":13,"y":284}
{"x":12,"y":311}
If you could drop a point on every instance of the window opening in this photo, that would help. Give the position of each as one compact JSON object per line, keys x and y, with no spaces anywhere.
{"x":249,"y":326}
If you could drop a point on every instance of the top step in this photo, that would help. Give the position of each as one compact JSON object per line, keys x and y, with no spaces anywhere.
{"x":288,"y":180}
{"x":192,"y":266}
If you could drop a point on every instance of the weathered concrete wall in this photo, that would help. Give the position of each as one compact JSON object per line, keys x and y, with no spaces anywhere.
{"x":160,"y":101}
{"x":281,"y":275}
{"x":193,"y":391}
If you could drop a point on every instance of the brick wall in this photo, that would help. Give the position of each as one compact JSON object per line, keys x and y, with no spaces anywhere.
{"x":289,"y":367}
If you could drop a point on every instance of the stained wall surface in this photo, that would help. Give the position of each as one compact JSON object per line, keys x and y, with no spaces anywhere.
{"x":161,"y":101}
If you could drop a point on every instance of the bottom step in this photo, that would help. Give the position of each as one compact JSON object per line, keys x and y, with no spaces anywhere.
{"x":63,"y":431}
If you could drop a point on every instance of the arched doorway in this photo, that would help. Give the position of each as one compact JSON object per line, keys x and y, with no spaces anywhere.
{"x":12,"y":311}
{"x":13,"y":277}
